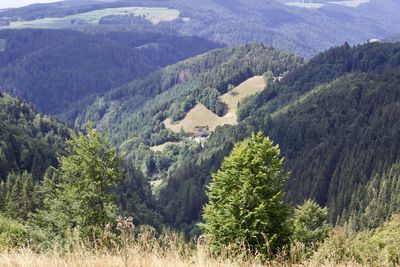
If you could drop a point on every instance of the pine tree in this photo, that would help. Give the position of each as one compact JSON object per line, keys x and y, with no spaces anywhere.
{"x":14,"y":188}
{"x":246,"y":198}
{"x":18,"y":195}
{"x":27,"y":194}
{"x":2,"y":195}
{"x":311,"y":224}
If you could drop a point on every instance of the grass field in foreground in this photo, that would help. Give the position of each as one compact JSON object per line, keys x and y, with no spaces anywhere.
{"x":153,"y":14}
{"x":200,"y":116}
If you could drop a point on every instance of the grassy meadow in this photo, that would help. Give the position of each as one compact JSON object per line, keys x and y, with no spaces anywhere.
{"x":153,"y":14}
{"x":201,"y":116}
{"x":317,"y":4}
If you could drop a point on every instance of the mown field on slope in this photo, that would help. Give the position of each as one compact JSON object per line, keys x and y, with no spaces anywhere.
{"x":201,"y":117}
{"x":153,"y":14}
{"x":322,"y":3}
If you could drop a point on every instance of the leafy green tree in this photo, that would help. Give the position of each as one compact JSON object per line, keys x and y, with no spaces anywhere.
{"x":311,"y":225}
{"x":268,"y":76}
{"x":246,"y":198}
{"x":80,"y":195}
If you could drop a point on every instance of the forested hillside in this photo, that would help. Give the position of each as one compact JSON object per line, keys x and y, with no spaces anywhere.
{"x":336,"y":121}
{"x":200,"y":133}
{"x":135,"y":113}
{"x":30,"y":147}
{"x":55,"y":69}
{"x":28,"y":141}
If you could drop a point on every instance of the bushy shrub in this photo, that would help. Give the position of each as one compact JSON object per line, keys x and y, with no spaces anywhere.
{"x":378,"y":247}
{"x":16,"y":234}
{"x":310,"y":224}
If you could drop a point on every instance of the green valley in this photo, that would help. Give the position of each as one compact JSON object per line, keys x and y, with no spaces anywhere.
{"x":200,"y":133}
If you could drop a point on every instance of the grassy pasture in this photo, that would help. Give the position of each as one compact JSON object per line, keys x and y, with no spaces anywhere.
{"x":305,"y":5}
{"x":350,"y":3}
{"x":315,"y":4}
{"x":202,"y":116}
{"x":153,"y":14}
{"x":161,"y":148}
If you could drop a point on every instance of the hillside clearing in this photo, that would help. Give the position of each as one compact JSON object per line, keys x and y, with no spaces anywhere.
{"x":201,"y":117}
{"x":161,"y":147}
{"x":312,"y":5}
{"x":350,"y":3}
{"x":245,"y":89}
{"x":153,"y":14}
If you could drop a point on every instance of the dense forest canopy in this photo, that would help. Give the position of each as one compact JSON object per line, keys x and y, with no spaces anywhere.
{"x":135,"y":113}
{"x":54,"y":69}
{"x":28,"y":141}
{"x":301,"y":111}
{"x":31,"y":145}
{"x":336,"y":120}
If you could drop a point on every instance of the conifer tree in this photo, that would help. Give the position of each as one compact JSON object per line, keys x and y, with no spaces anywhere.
{"x":311,"y":224}
{"x":246,"y":198}
{"x":18,"y":195}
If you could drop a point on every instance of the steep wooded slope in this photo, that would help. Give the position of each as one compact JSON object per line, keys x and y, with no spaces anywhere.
{"x":134,"y":113}
{"x":28,"y":141}
{"x":336,"y":120}
{"x":55,"y":69}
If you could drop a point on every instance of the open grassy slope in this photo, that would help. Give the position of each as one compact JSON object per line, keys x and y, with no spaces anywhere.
{"x":201,"y":117}
{"x":153,"y":14}
{"x":161,"y":147}
{"x":245,"y":89}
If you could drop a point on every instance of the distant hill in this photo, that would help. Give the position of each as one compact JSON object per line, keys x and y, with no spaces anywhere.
{"x":54,"y":69}
{"x":288,"y":25}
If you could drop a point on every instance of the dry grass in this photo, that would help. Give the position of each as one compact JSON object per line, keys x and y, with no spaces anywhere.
{"x":145,"y":250}
{"x":148,"y":252}
{"x":138,"y":256}
{"x":245,"y":89}
{"x":202,"y":116}
{"x":198,"y":116}
{"x":161,"y":147}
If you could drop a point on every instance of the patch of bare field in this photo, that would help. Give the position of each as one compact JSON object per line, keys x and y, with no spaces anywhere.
{"x":161,"y":147}
{"x":201,"y":116}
